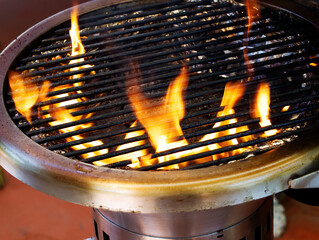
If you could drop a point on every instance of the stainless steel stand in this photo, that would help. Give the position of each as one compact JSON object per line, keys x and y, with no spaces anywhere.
{"x":248,"y":221}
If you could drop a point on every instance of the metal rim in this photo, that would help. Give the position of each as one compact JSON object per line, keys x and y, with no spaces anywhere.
{"x":146,"y":192}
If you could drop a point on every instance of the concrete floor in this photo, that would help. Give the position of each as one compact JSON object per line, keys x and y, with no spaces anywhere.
{"x":27,"y":214}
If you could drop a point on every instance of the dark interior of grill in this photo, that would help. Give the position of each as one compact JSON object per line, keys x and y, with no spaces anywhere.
{"x":161,"y":37}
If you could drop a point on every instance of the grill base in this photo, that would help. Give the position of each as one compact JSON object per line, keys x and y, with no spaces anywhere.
{"x":249,"y":221}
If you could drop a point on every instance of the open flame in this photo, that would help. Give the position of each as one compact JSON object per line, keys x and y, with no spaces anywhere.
{"x":161,"y":122}
{"x":59,"y":111}
{"x":232,"y":94}
{"x":25,"y":95}
{"x":262,"y":108}
{"x":253,"y":12}
{"x":135,"y":156}
{"x":160,"y":119}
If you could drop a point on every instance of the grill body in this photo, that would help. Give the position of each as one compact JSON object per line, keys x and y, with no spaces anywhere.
{"x":144,"y":192}
{"x":250,"y":221}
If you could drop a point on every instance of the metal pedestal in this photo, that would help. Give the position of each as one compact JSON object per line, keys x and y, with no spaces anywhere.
{"x":248,"y":221}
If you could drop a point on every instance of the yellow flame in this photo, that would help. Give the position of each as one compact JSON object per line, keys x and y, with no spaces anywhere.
{"x":77,"y":46}
{"x":232,"y":94}
{"x":262,"y":107}
{"x":62,"y":116}
{"x":25,"y":93}
{"x":161,"y":122}
{"x":135,"y":156}
{"x":285,"y":108}
{"x":313,"y":64}
{"x":253,"y":12}
{"x":59,"y":111}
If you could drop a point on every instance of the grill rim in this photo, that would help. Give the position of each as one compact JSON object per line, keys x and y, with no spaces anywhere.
{"x":146,"y":192}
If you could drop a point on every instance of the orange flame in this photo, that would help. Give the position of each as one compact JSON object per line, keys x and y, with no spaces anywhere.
{"x":313,"y":64}
{"x":26,"y":94}
{"x":62,"y":115}
{"x":133,"y":156}
{"x":161,"y":122}
{"x":232,"y":94}
{"x":253,"y":12}
{"x":285,"y":108}
{"x":59,"y":112}
{"x":262,"y":107}
{"x":77,"y":46}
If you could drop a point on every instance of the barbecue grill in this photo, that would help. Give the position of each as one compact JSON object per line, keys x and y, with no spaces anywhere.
{"x":158,"y":39}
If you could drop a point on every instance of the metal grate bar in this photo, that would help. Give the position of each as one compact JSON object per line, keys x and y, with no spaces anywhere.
{"x":219,"y":35}
{"x":205,"y":143}
{"x":106,"y":13}
{"x":192,"y":135}
{"x":146,"y":22}
{"x":125,"y":102}
{"x":159,"y":37}
{"x":153,"y":33}
{"x":119,"y":49}
{"x":48,"y":129}
{"x":220,"y":150}
{"x":277,"y":51}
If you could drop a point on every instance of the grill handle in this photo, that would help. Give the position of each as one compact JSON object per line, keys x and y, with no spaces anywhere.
{"x":305,"y":189}
{"x":310,"y":180}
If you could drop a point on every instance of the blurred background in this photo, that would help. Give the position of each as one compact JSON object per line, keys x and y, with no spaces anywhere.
{"x":27,"y":214}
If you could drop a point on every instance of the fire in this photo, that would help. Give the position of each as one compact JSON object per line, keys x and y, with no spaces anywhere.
{"x":161,"y":122}
{"x":232,"y":94}
{"x":160,"y":118}
{"x":77,"y":46}
{"x":253,"y":12}
{"x":262,"y":108}
{"x":59,"y":111}
{"x":313,"y":64}
{"x":135,"y":157}
{"x":285,"y":108}
{"x":263,"y":96}
{"x":62,"y":116}
{"x":252,"y":8}
{"x":25,"y":94}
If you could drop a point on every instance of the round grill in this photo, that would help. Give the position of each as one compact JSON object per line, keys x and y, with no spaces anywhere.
{"x":158,"y":39}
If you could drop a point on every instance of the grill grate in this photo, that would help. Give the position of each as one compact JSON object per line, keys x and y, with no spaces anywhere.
{"x":209,"y":35}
